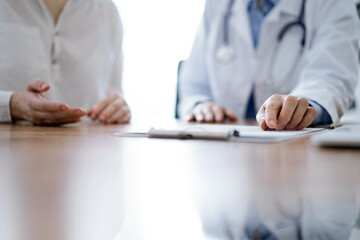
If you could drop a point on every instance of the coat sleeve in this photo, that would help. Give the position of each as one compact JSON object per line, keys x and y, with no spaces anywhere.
{"x":5,"y":116}
{"x":193,"y":78}
{"x":331,"y":73}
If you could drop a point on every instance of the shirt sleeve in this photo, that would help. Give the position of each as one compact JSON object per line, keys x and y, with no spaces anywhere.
{"x":322,"y":117}
{"x":5,"y":116}
{"x":193,"y":79}
{"x":331,"y":73}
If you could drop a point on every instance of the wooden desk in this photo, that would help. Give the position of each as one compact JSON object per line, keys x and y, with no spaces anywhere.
{"x":80,"y":182}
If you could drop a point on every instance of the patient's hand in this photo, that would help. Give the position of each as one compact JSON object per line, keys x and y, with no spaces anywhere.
{"x":210,"y":112}
{"x":285,"y":112}
{"x":113,"y":109}
{"x":32,"y":105}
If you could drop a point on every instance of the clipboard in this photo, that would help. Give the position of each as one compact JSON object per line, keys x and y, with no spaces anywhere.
{"x":237,"y":133}
{"x":193,"y":133}
{"x":186,"y":134}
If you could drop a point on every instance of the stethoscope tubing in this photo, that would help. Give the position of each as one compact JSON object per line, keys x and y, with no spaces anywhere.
{"x":299,"y":22}
{"x":227,"y":22}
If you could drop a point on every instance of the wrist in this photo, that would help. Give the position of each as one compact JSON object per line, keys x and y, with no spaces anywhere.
{"x":15,"y":112}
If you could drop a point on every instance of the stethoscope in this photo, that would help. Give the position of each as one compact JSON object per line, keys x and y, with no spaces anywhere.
{"x":226,"y":52}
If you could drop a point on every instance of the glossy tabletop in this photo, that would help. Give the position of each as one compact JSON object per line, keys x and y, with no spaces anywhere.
{"x":81,"y":182}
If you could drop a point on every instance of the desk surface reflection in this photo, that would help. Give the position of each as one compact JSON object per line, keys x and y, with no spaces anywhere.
{"x":81,"y":182}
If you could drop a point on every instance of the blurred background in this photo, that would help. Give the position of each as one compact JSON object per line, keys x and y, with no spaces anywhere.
{"x":157,"y":35}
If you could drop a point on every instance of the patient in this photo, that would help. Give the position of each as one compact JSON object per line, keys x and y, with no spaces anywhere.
{"x":61,"y":60}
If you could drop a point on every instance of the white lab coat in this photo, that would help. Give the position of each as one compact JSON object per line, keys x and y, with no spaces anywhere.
{"x":326,"y":71}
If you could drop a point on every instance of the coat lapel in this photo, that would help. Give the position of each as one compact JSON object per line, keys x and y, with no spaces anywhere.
{"x":288,"y":7}
{"x":241,"y":21}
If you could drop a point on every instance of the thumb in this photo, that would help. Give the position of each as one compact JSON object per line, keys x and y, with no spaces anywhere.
{"x":37,"y":85}
{"x":260,"y":118}
{"x":190,"y":117}
{"x":230,"y":114}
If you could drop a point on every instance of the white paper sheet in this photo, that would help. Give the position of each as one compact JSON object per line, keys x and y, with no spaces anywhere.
{"x":256,"y":134}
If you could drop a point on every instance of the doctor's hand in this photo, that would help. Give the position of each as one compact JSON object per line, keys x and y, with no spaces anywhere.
{"x":31,"y":105}
{"x":113,"y":109}
{"x":282,"y":112}
{"x":210,"y":112}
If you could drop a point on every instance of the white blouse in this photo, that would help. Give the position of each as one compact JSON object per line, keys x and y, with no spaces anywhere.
{"x":80,"y":57}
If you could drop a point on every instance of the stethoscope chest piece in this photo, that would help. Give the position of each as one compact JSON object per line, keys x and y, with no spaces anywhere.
{"x":225,"y":54}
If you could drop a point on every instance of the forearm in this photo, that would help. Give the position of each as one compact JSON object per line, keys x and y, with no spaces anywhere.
{"x":331,"y":73}
{"x":193,"y":85}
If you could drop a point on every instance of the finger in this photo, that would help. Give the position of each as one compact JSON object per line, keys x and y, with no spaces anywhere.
{"x":100,"y":106}
{"x":209,"y":115}
{"x":37,"y":85}
{"x":112,"y":108}
{"x":190,"y":117}
{"x":68,"y":114}
{"x":263,"y":125}
{"x":230,"y":114}
{"x":118,"y":115}
{"x":60,"y":122}
{"x":299,"y":113}
{"x":308,"y":118}
{"x":199,"y":116}
{"x":286,"y":112}
{"x":219,"y":113}
{"x":272,"y":110}
{"x":58,"y":117}
{"x":93,"y":114}
{"x":260,"y":118}
{"x":124,"y":119}
{"x":43,"y":105}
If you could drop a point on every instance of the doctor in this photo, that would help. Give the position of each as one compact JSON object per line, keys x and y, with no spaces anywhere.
{"x":295,"y":60}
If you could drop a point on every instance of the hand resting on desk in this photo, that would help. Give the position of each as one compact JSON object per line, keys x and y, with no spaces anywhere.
{"x":282,"y":112}
{"x":279,"y":112}
{"x":210,"y":112}
{"x":113,"y":109}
